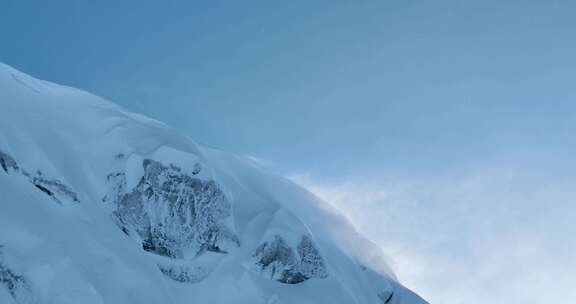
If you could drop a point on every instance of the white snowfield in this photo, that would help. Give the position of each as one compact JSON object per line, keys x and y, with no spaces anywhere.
{"x":99,"y":205}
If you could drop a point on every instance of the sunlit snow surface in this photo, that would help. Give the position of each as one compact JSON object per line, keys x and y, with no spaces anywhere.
{"x":99,"y":205}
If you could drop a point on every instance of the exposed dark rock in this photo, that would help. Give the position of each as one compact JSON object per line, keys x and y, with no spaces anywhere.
{"x":11,"y":280}
{"x":55,"y":188}
{"x":44,"y":190}
{"x":7,"y":162}
{"x":184,"y":274}
{"x":279,"y":261}
{"x":311,"y":262}
{"x":17,"y":286}
{"x":172,"y":212}
{"x":52,"y":187}
{"x":386,"y":296}
{"x":117,"y":187}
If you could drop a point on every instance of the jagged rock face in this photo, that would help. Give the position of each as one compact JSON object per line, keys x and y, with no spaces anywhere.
{"x":54,"y":188}
{"x":7,"y":162}
{"x":184,"y":273}
{"x":173,"y":212}
{"x":17,"y":286}
{"x":311,"y":262}
{"x":277,"y":260}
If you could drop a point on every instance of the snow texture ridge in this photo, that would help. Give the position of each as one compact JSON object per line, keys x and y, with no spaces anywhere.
{"x":99,"y":205}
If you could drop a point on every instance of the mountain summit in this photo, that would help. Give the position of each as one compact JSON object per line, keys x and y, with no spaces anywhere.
{"x":99,"y":205}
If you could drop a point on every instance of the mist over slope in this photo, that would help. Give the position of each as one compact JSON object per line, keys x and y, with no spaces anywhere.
{"x":100,"y":205}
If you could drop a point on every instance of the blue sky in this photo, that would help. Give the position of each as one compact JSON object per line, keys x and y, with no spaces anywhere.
{"x":441,"y":128}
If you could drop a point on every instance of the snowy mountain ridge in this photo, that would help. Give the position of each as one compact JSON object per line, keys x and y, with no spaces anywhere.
{"x":100,"y":205}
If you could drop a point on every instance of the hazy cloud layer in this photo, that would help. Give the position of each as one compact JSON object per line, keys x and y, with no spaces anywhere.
{"x":500,"y":236}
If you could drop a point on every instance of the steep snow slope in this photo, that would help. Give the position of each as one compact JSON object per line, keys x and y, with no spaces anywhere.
{"x":99,"y":205}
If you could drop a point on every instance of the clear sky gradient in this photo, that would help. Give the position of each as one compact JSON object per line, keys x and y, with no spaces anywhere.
{"x":443,"y":129}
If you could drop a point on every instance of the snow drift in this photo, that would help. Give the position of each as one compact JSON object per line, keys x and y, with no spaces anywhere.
{"x":99,"y":205}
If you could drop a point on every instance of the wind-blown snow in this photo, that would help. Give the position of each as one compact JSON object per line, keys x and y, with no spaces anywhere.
{"x":99,"y":205}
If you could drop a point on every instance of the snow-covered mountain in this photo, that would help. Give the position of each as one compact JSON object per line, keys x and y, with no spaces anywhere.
{"x":100,"y":205}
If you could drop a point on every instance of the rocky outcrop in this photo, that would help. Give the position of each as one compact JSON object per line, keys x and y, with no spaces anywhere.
{"x":7,"y":162}
{"x":385,"y":296}
{"x":54,"y":188}
{"x":184,"y":273}
{"x":175,"y":214}
{"x":278,"y":261}
{"x":17,"y":286}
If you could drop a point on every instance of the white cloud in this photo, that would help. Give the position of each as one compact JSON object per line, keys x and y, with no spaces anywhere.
{"x":497,"y":237}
